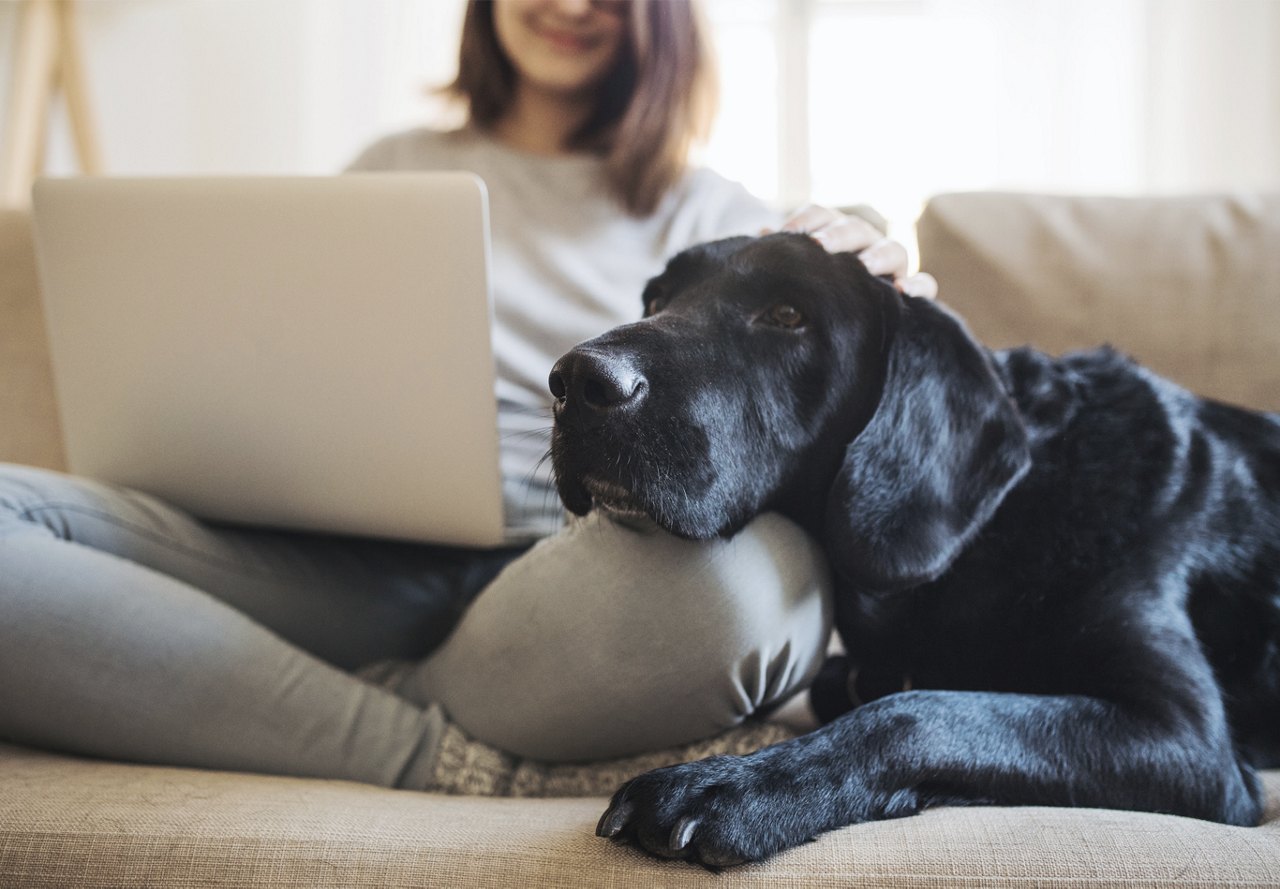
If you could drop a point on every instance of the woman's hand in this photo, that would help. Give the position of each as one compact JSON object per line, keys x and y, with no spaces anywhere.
{"x":882,"y":256}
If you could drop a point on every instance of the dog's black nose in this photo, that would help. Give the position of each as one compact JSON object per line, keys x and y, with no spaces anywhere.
{"x":595,"y":383}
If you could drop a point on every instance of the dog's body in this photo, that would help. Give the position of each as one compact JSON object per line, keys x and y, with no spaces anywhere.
{"x":1058,"y":579}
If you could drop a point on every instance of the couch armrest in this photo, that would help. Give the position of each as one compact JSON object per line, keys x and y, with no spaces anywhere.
{"x":29,"y":431}
{"x":1189,"y":286}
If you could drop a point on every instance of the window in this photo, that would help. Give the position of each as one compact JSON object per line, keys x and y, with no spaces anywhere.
{"x":887,"y":102}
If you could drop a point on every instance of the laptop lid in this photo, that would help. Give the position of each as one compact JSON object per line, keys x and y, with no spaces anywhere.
{"x":303,"y":353}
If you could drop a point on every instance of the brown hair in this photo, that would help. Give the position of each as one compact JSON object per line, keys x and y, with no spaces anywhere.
{"x":656,"y":101}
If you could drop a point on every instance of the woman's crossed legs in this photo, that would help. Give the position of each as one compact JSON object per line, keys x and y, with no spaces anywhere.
{"x":130,"y":630}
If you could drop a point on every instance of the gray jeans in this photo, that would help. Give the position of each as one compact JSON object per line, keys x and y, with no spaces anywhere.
{"x":131,"y":630}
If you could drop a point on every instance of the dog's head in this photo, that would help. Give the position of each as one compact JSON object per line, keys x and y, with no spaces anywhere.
{"x":769,"y":374}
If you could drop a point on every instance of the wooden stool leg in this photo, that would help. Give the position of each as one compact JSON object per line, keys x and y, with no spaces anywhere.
{"x":34,"y":69}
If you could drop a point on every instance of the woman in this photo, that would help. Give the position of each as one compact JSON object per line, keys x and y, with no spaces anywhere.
{"x":133,"y":631}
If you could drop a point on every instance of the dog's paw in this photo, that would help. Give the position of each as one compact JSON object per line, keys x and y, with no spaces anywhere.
{"x":714,"y":812}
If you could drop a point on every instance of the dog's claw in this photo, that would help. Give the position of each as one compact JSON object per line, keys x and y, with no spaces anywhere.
{"x":715,"y":862}
{"x":682,"y":833}
{"x":614,"y":819}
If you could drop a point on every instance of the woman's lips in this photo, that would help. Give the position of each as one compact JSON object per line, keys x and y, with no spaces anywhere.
{"x":565,"y":41}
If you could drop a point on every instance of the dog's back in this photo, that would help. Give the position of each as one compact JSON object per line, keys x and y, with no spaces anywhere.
{"x":1235,"y":603}
{"x":1124,"y":459}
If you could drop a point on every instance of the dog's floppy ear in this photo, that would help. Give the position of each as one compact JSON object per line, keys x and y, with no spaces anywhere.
{"x":939,"y":454}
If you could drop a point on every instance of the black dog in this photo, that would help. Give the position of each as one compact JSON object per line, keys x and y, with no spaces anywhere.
{"x":1058,"y":578}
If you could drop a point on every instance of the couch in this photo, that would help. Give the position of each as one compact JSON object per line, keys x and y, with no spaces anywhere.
{"x":1190,"y":286}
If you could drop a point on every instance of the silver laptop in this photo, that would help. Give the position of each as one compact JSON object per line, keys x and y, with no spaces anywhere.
{"x":302,"y":353}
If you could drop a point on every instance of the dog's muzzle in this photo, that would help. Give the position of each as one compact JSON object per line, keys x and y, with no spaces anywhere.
{"x":592,"y":387}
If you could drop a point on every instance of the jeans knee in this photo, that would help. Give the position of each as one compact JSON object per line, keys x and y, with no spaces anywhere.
{"x":766,"y":620}
{"x":612,"y":639}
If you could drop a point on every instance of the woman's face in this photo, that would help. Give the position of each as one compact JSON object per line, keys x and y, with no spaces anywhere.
{"x":563,"y":46}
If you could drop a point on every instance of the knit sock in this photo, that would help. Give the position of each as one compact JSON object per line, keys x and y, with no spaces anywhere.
{"x":450,"y":761}
{"x":467,"y":766}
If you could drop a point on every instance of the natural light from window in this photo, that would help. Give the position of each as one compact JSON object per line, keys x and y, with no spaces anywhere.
{"x":907,"y":98}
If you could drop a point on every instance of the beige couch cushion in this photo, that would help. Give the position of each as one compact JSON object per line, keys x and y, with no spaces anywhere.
{"x":1189,"y":286}
{"x":72,"y":822}
{"x":29,"y":428}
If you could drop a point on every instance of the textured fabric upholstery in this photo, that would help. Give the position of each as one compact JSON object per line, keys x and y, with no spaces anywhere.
{"x":71,"y":822}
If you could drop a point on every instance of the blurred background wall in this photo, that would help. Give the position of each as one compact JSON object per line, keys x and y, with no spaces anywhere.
{"x":839,"y":101}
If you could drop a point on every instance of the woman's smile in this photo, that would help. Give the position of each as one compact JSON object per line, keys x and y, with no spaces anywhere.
{"x":565,"y":40}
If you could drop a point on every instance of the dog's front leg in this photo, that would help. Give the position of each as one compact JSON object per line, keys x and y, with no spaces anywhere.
{"x":916,"y":749}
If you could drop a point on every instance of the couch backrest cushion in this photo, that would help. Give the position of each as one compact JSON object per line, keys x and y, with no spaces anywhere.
{"x":29,"y":430}
{"x":1189,"y":286}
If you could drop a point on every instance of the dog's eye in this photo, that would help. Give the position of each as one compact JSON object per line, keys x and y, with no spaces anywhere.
{"x":655,"y":298}
{"x":784,"y":316}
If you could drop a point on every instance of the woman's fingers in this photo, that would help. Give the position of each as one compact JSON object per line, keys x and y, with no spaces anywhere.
{"x":834,"y":230}
{"x":885,"y":257}
{"x":922,"y":284}
{"x":882,"y":256}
